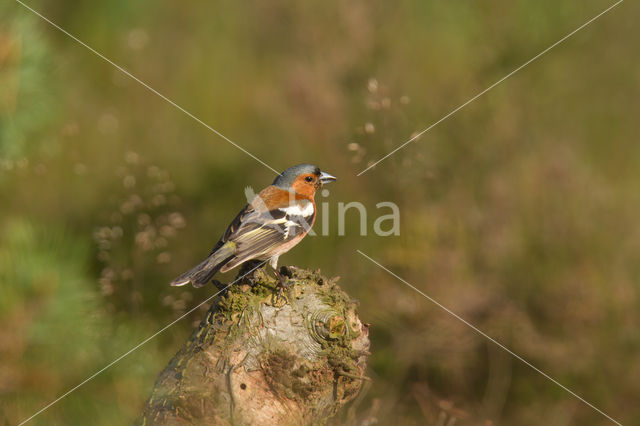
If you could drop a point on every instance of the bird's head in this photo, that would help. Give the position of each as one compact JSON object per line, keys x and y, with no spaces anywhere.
{"x":304,"y":179}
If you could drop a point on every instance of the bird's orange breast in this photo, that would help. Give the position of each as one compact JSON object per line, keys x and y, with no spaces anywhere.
{"x":274,"y":198}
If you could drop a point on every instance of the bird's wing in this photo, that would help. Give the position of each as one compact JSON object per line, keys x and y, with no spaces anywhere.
{"x":263,"y":207}
{"x":259,"y":233}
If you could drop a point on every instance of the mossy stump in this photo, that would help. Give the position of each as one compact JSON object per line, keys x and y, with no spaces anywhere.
{"x":264,"y":358}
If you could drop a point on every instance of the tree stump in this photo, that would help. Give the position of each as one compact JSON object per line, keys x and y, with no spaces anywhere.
{"x":264,"y":358}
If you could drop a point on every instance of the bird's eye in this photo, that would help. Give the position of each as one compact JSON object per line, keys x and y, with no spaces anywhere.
{"x":309,"y":179}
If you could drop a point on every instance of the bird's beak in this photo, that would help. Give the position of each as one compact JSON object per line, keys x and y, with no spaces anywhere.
{"x":326,"y":178}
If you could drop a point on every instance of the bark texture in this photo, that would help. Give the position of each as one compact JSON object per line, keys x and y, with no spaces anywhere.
{"x":262,"y":358}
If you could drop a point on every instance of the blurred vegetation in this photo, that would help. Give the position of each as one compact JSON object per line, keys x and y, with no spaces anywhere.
{"x":520,"y":212}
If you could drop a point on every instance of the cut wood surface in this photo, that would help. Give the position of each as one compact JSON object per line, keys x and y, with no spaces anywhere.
{"x":265,"y":357}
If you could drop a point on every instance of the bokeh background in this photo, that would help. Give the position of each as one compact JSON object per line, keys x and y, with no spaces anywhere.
{"x":520,"y":212}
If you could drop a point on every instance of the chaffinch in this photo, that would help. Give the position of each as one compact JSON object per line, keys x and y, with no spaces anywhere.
{"x":275,"y":220}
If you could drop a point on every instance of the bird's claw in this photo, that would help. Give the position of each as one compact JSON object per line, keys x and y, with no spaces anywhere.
{"x":283,"y":285}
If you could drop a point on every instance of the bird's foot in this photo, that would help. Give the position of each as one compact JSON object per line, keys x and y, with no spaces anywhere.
{"x":283,"y":283}
{"x":282,"y":275}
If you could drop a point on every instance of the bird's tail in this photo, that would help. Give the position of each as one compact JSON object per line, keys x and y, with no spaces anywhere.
{"x":202,"y":273}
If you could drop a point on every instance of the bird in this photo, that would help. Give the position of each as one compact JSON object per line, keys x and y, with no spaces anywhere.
{"x":271,"y":224}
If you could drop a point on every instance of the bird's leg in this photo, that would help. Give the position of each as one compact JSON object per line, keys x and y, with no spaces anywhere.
{"x":273,"y":262}
{"x":282,"y":276}
{"x":282,"y":280}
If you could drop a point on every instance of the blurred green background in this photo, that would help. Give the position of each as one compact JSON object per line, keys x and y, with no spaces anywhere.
{"x":520,"y":212}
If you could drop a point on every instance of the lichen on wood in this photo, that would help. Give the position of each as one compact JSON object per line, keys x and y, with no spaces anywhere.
{"x":263,"y":355}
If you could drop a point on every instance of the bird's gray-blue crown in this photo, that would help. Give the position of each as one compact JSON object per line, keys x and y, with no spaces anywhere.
{"x":286,"y":178}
